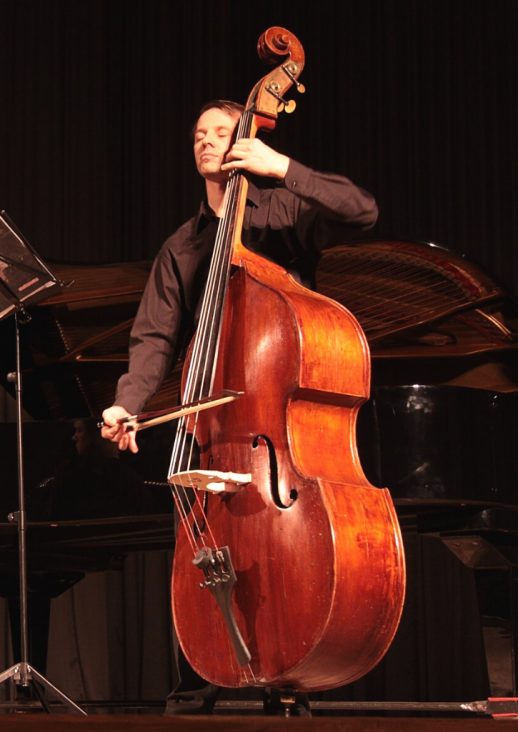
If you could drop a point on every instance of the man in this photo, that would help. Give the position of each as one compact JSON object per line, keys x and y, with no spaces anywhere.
{"x":289,"y":222}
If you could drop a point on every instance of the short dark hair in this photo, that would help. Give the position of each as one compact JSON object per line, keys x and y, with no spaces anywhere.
{"x":231,"y":108}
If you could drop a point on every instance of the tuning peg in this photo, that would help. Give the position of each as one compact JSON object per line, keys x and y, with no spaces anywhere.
{"x":284,"y":106}
{"x":290,"y":70}
{"x":287,"y":107}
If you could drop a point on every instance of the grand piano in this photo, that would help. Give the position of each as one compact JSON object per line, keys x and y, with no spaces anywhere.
{"x":439,"y":429}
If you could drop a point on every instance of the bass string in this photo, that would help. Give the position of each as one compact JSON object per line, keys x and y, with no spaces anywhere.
{"x":203,"y":363}
{"x":205,"y":334}
{"x":204,"y":354}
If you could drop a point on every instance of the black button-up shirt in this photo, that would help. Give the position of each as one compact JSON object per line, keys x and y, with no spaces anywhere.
{"x":289,"y":224}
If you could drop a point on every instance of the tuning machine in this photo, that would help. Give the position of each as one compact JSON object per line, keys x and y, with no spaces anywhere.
{"x":284,"y":105}
{"x":287,"y":107}
{"x":290,"y":70}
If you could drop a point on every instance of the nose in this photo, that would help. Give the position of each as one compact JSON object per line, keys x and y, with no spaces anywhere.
{"x":208,"y":139}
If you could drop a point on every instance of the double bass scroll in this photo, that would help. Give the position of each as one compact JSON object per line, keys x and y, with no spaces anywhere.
{"x":315,"y":549}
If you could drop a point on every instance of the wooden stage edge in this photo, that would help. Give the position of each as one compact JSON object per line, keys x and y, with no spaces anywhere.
{"x":41,"y":722}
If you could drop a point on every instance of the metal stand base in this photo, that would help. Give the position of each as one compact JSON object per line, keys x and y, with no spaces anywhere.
{"x":25,"y":675}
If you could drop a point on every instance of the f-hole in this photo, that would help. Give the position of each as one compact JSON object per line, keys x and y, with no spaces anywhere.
{"x":274,"y":473}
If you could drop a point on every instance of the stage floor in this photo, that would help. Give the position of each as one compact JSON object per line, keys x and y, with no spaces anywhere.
{"x":224,"y":723}
{"x":140,"y":720}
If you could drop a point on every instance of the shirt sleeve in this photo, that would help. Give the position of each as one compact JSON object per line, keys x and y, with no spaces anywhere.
{"x":154,"y":337}
{"x":324,"y":209}
{"x":324,"y":198}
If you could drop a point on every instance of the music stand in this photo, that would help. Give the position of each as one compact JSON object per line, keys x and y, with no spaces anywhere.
{"x":24,"y":280}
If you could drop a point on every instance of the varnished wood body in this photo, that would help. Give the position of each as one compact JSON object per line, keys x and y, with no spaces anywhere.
{"x":321,"y":580}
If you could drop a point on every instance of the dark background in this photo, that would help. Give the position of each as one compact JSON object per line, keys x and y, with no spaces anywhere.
{"x":415,"y":100}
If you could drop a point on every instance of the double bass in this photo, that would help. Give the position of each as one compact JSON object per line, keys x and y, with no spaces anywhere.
{"x":288,"y":568}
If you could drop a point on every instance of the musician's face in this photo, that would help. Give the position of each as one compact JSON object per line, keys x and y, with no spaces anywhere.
{"x":80,"y":437}
{"x":212,"y":139}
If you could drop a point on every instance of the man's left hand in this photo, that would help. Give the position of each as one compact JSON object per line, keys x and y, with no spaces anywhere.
{"x":254,"y":156}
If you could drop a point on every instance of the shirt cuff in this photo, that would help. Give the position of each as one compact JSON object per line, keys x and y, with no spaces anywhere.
{"x":297,"y":178}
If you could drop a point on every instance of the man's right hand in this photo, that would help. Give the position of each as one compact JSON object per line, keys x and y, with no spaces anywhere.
{"x":118,"y":432}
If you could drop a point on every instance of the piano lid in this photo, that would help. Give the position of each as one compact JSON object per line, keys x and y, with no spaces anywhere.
{"x":415,"y":299}
{"x":415,"y":302}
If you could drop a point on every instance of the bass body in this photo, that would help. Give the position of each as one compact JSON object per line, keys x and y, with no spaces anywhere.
{"x":316,"y":549}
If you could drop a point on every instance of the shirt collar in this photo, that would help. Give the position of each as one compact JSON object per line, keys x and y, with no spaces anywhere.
{"x":205,"y":214}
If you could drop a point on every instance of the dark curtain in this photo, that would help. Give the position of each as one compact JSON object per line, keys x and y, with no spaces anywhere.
{"x":415,"y":100}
